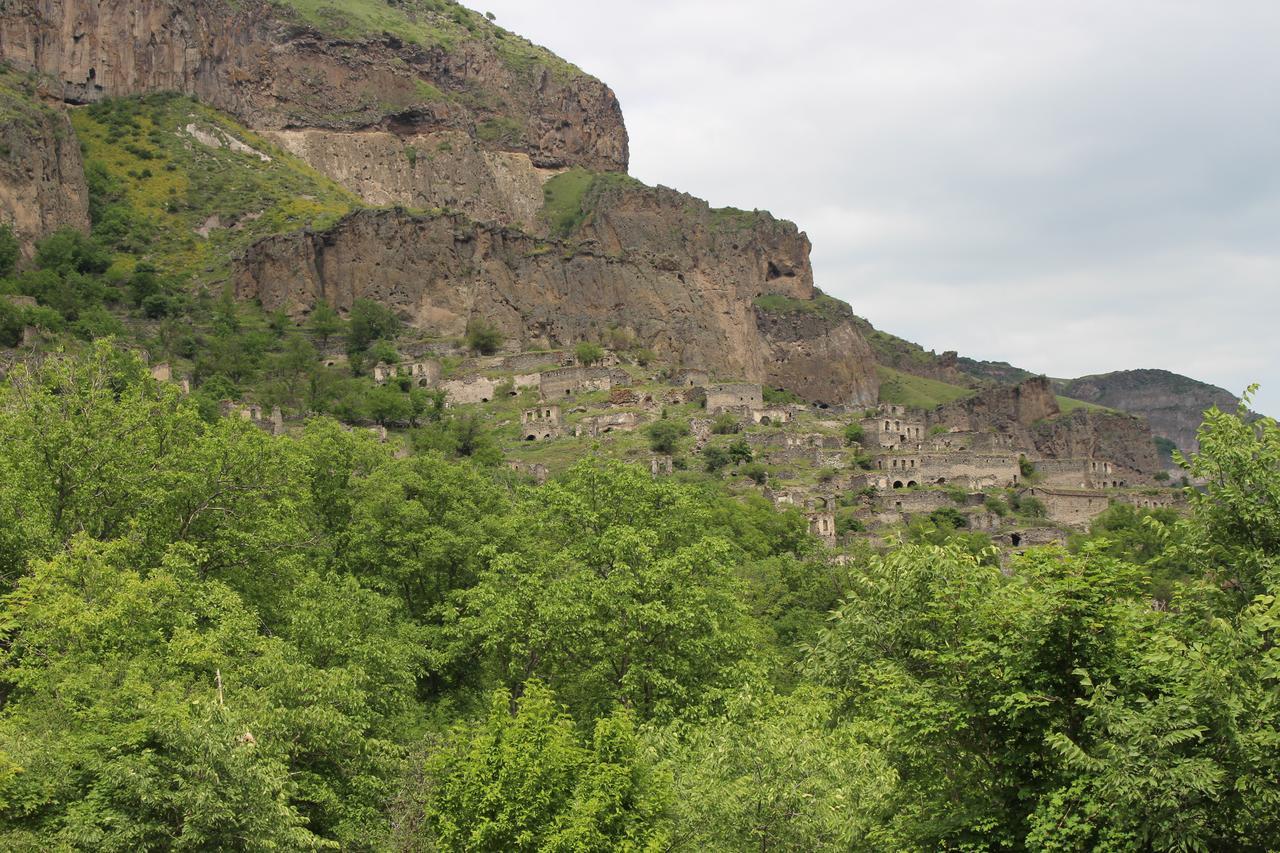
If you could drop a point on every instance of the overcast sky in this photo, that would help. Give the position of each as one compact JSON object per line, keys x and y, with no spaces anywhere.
{"x":1073,"y":187}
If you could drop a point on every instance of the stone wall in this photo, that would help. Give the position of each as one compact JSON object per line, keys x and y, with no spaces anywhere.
{"x":739,"y":396}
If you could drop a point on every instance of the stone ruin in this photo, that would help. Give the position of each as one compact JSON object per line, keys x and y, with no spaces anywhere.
{"x":541,"y":423}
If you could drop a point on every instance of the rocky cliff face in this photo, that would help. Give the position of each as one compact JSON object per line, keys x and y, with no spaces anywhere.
{"x":1173,"y":404}
{"x":684,"y":297}
{"x":1006,"y":408}
{"x":42,"y":186}
{"x":1123,"y":439}
{"x":413,"y":70}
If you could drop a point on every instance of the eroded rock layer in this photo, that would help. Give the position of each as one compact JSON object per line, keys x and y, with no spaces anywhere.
{"x":42,"y":185}
{"x":690,"y":298}
{"x":261,"y":63}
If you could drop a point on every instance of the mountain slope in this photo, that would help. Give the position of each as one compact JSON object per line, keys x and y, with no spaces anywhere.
{"x":1173,"y":404}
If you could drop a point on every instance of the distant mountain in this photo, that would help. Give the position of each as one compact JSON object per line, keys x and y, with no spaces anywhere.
{"x":1173,"y":404}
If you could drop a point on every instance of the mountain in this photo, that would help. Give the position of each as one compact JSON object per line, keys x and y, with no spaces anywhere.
{"x":1174,"y":405}
{"x":506,"y":164}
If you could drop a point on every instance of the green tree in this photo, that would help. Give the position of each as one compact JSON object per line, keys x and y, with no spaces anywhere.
{"x":621,"y":597}
{"x":9,"y":250}
{"x":369,"y":321}
{"x":324,"y":322}
{"x":588,"y":353}
{"x":523,"y":779}
{"x":664,"y":435}
{"x":483,"y":337}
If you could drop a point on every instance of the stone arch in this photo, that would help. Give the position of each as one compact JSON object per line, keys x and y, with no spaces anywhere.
{"x":1015,"y":539}
{"x":897,"y":484}
{"x":765,"y":420}
{"x":530,"y":437}
{"x":911,"y":484}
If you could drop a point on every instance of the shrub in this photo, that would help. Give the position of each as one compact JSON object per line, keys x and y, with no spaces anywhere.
{"x":664,"y":435}
{"x":8,"y":250}
{"x":996,"y":506}
{"x":756,"y":473}
{"x":588,"y":353}
{"x":644,"y":357}
{"x":949,"y":517}
{"x":483,"y":337}
{"x":853,"y":434}
{"x":740,"y":452}
{"x":1026,"y":466}
{"x":1031,"y":507}
{"x":714,"y":458}
{"x":370,"y":321}
{"x":725,"y":424}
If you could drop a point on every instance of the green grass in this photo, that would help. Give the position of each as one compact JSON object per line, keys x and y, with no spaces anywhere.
{"x":821,"y":305}
{"x":145,"y":167}
{"x":1068,"y":405}
{"x":19,"y":103}
{"x":916,"y":392}
{"x":563,"y":208}
{"x":428,"y":23}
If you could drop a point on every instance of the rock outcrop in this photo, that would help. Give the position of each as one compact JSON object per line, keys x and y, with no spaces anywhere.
{"x":425,"y":170}
{"x":1003,"y":409}
{"x":687,"y":293}
{"x":267,"y":65}
{"x":1123,"y":439}
{"x":42,"y":185}
{"x":1173,"y":404}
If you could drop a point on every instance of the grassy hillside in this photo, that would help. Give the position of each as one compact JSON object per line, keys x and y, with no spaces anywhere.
{"x":429,"y":23}
{"x":1067,"y":404}
{"x":917,"y":392}
{"x":165,"y":171}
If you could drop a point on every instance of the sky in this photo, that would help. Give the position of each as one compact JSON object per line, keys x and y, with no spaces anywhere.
{"x":1073,"y":187}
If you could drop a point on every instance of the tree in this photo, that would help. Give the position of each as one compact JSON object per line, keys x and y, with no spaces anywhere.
{"x":10,"y":251}
{"x":523,"y":779}
{"x":664,"y":435}
{"x":588,"y":353}
{"x":853,"y":434}
{"x":483,"y":337}
{"x":740,"y":452}
{"x":369,"y":321}
{"x":324,"y":322}
{"x":714,"y":458}
{"x":621,"y":597}
{"x":772,"y":772}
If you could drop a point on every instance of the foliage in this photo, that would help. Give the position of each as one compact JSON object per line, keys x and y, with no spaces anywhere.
{"x":370,"y":321}
{"x":482,"y":337}
{"x":664,"y":435}
{"x":9,"y":250}
{"x":853,"y":434}
{"x":588,"y":353}
{"x":524,"y":779}
{"x":725,"y":423}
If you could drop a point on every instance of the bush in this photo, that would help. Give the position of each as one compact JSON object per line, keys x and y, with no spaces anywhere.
{"x":1026,"y":467}
{"x":949,"y":516}
{"x":756,"y":473}
{"x":644,"y":357}
{"x":853,"y":434}
{"x":664,"y":435}
{"x":1030,"y":507}
{"x":740,"y":452}
{"x":714,"y":458}
{"x":725,"y":424}
{"x":369,"y":322}
{"x":996,"y":506}
{"x":8,"y":250}
{"x":483,"y":337}
{"x":588,"y":353}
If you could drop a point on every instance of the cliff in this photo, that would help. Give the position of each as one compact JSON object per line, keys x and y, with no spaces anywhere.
{"x":1004,"y":408}
{"x":42,"y":186}
{"x":1173,"y":404}
{"x":683,"y":286}
{"x":1089,"y":434}
{"x":411,"y":67}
